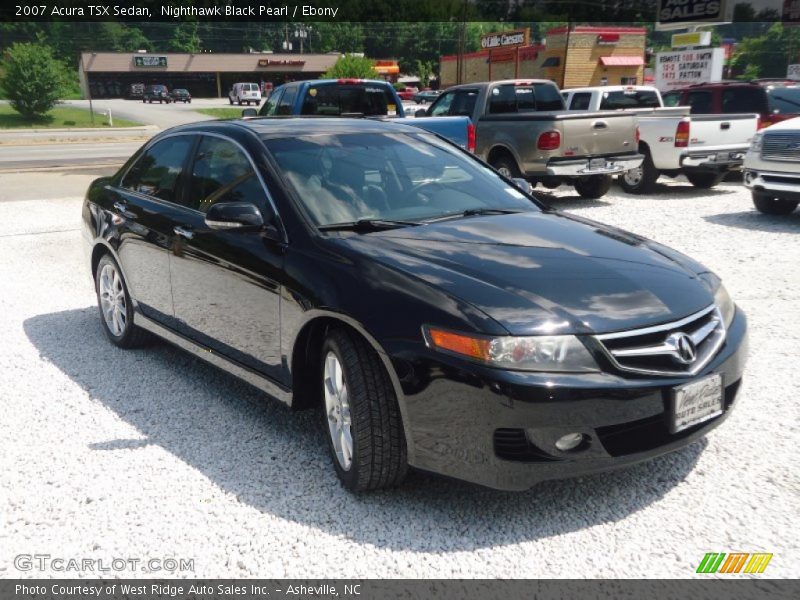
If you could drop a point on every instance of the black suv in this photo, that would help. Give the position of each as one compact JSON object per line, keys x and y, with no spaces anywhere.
{"x":156,"y":93}
{"x":181,"y":95}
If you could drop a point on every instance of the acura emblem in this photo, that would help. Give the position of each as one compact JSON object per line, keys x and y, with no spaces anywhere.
{"x":684,"y":349}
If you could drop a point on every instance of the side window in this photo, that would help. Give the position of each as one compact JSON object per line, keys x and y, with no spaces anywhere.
{"x":442,"y":105}
{"x":743,"y":100}
{"x":580,"y":101}
{"x":158,"y":171}
{"x":270,"y":107}
{"x":503,"y":99}
{"x":464,"y":103}
{"x":700,"y":103}
{"x":223,"y":173}
{"x":671,"y":99}
{"x":286,"y":101}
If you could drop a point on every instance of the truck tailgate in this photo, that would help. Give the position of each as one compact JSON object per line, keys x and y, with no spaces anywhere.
{"x":597,"y":133}
{"x":722,"y":132}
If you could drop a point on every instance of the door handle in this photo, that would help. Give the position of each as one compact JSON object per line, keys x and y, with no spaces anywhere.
{"x":123,"y":210}
{"x":600,"y":125}
{"x":183,"y":232}
{"x":725,"y":125}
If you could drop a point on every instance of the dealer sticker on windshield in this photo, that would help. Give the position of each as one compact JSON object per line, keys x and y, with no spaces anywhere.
{"x":696,"y":402}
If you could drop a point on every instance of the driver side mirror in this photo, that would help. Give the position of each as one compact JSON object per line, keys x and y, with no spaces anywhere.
{"x":249,"y":112}
{"x":523,"y":184}
{"x":420,"y":112}
{"x":234,"y":215}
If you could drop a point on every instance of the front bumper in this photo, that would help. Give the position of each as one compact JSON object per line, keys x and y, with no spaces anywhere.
{"x":583,"y":167}
{"x":780,"y":185}
{"x":498,"y":428}
{"x":709,"y":160}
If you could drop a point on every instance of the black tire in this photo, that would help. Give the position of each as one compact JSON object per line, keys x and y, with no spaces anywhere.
{"x":593,"y":186}
{"x":769,"y":205}
{"x":505,"y":165}
{"x":704,"y":181}
{"x":230,"y":100}
{"x":131,"y":336}
{"x":646,"y":182}
{"x":379,"y":457}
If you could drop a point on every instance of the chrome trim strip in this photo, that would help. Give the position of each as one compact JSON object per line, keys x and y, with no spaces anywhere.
{"x":656,"y":328}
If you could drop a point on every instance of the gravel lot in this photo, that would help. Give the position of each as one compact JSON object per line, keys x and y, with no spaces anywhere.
{"x":152,"y":454}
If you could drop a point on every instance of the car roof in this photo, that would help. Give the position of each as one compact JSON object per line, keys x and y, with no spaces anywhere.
{"x":280,"y":127}
{"x":613,"y":88}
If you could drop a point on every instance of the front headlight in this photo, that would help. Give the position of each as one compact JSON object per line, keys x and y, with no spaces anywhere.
{"x":551,"y":353}
{"x":755,"y":144}
{"x":722,"y":299}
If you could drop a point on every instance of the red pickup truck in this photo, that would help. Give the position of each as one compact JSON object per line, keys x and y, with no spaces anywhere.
{"x":772,"y":100}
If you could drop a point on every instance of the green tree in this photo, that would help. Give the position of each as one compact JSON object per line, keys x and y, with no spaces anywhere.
{"x":32,"y":79}
{"x":424,"y":71}
{"x":186,"y":38}
{"x":769,"y":54}
{"x":352,"y":65}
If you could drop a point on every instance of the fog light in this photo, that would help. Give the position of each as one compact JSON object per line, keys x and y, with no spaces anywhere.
{"x":569,"y":442}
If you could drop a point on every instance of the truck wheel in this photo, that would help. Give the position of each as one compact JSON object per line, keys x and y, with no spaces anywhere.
{"x":360,"y":414}
{"x":640,"y":180}
{"x":773,"y":206}
{"x":230,"y":99}
{"x":506,"y":166}
{"x":593,"y":186}
{"x":704,"y":181}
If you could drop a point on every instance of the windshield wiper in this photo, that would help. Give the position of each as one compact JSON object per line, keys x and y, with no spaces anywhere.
{"x":367,"y":225}
{"x":474,"y":212}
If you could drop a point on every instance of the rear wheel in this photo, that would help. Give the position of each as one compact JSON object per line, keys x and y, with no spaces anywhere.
{"x":642,"y":179}
{"x":704,"y":181}
{"x":230,"y":99}
{"x":593,"y":186}
{"x":116,"y":308}
{"x":771,"y":205}
{"x":361,"y":415}
{"x":506,"y":166}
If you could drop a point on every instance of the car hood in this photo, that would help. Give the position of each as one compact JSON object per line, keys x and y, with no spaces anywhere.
{"x":545,"y":272}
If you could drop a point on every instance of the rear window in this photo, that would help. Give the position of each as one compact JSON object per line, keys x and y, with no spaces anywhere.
{"x":701,"y":103}
{"x":629,"y":99}
{"x":510,"y":98}
{"x":252,"y":87}
{"x":341,"y":99}
{"x":784,"y":101}
{"x":743,"y":100}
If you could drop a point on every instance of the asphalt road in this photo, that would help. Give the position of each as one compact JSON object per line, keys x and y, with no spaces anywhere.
{"x":150,"y":453}
{"x":15,"y":158}
{"x":161,"y":115}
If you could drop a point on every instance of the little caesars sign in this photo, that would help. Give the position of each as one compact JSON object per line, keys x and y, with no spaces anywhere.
{"x":505,"y":39}
{"x":679,"y":69}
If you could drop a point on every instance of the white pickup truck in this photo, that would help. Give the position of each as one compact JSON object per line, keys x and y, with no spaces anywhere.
{"x":772,"y":168}
{"x":701,"y":147}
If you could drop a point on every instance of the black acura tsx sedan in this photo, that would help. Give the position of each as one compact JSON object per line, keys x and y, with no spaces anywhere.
{"x":437,"y":314}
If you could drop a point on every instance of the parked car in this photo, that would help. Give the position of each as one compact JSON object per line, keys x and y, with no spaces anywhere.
{"x":356,"y":97}
{"x":181,"y":95}
{"x":522,"y":130}
{"x":407,"y":94}
{"x":425,"y":96}
{"x":156,"y":93}
{"x":704,"y":148}
{"x":135,"y":91}
{"x":245,"y":93}
{"x":436,"y":316}
{"x":772,"y":168}
{"x":773,"y":101}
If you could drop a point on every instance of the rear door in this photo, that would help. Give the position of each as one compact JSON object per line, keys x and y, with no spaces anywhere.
{"x":225,"y":283}
{"x":146,"y":204}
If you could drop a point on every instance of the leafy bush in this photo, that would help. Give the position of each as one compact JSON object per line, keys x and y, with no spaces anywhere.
{"x":399,"y":86}
{"x":352,"y":66}
{"x":32,"y":79}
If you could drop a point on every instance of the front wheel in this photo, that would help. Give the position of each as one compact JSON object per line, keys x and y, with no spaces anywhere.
{"x":361,"y":415}
{"x":116,"y":308}
{"x":640,"y":180}
{"x":704,"y":181}
{"x":770,"y":205}
{"x":593,"y":186}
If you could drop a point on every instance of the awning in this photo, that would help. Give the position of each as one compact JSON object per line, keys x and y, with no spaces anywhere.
{"x":622,"y":61}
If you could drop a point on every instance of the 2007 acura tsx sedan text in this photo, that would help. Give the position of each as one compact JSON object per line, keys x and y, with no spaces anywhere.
{"x":438,"y":315}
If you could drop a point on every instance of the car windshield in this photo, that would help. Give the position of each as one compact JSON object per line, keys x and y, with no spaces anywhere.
{"x":389,"y":176}
{"x":784,"y":100}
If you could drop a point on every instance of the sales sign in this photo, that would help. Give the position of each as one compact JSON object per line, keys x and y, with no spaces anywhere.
{"x":150,"y":61}
{"x":678,"y":14}
{"x":678,"y":69}
{"x":694,"y":38}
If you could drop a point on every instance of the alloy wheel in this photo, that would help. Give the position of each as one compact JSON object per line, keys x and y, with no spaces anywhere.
{"x":633,"y":177}
{"x":337,"y":410}
{"x":112,"y":300}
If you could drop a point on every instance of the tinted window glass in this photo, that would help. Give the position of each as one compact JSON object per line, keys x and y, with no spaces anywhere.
{"x":784,"y":100}
{"x":628,"y":99}
{"x":365,"y":99}
{"x":464,"y":103}
{"x":158,"y":171}
{"x":580,"y":101}
{"x":270,"y":107}
{"x":700,"y":103}
{"x":286,"y":101}
{"x":503,"y":99}
{"x":547,"y":97}
{"x":442,"y":105}
{"x":671,"y":99}
{"x":344,"y":178}
{"x":222,"y":173}
{"x":512,"y":98}
{"x":743,"y":100}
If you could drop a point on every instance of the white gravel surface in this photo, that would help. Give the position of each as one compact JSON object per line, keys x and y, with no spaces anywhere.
{"x":106,"y":453}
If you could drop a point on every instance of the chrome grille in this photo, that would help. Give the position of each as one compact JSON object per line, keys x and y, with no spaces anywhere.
{"x":679,"y":348}
{"x":781,"y":146}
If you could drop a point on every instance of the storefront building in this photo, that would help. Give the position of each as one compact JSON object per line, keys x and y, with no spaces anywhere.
{"x":111,"y":74}
{"x":576,"y":57}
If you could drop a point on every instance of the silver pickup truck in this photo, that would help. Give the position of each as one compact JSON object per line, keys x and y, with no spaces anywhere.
{"x":522,"y":130}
